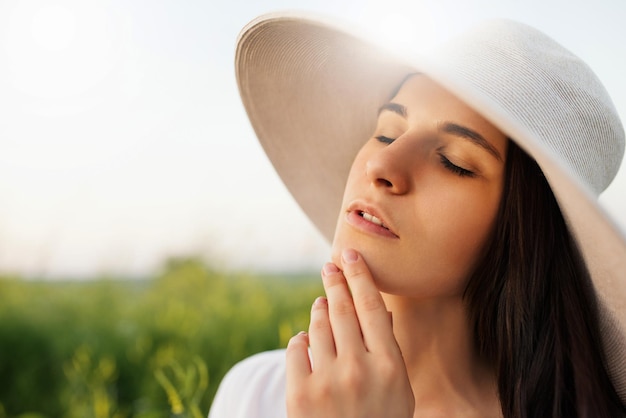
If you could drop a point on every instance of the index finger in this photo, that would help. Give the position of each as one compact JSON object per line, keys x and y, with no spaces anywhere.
{"x":370,"y":307}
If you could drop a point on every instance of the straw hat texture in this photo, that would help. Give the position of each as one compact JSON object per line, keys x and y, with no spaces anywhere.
{"x":312,"y":92}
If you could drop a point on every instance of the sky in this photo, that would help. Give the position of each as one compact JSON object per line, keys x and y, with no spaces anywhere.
{"x":123,"y":141}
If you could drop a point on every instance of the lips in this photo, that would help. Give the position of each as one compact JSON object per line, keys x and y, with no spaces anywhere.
{"x":370,"y":219}
{"x":373,"y":219}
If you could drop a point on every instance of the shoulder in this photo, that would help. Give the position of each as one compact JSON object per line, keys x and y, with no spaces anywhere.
{"x":253,"y":388}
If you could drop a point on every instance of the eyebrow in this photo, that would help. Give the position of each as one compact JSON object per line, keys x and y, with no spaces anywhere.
{"x":449,"y":128}
{"x":473,"y":136}
{"x":393,"y":107}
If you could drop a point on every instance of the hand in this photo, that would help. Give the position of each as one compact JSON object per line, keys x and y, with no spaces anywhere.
{"x":356,"y":367}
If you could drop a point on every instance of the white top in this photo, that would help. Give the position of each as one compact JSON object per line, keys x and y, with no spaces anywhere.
{"x":253,"y":388}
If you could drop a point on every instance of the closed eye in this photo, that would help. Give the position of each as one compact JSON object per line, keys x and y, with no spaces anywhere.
{"x":459,"y":171}
{"x":384,"y":139}
{"x":449,"y":165}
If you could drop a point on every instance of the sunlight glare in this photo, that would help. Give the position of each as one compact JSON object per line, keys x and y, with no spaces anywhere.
{"x":53,"y":28}
{"x":400,"y":32}
{"x":65,"y":65}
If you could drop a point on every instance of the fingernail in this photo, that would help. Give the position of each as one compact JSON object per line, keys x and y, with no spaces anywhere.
{"x":320,"y":301}
{"x":330,"y":268}
{"x":349,"y":255}
{"x":302,"y":333}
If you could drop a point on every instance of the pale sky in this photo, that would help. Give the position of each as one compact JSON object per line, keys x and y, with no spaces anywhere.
{"x":123,"y":140}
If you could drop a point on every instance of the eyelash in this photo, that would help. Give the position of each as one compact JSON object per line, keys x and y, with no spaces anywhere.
{"x":385,"y":140}
{"x":459,"y":171}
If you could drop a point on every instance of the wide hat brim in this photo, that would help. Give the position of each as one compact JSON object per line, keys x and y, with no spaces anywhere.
{"x":312,"y":93}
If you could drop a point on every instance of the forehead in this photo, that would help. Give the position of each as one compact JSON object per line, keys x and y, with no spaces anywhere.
{"x":421,"y":91}
{"x":426,"y":101}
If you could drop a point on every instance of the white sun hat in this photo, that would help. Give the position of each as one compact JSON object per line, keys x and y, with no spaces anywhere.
{"x":312,"y":92}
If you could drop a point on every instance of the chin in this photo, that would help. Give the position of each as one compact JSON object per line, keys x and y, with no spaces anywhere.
{"x":335,"y":254}
{"x":374,"y":261}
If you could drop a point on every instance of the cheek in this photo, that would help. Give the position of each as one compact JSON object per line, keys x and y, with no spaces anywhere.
{"x":439,"y":260}
{"x":463,"y":228}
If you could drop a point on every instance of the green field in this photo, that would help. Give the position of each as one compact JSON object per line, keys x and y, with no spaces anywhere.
{"x":139,"y":348}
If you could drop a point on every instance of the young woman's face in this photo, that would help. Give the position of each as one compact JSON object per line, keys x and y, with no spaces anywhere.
{"x":423,"y":193}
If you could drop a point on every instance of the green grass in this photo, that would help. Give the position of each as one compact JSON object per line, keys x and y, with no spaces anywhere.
{"x":144,"y":348}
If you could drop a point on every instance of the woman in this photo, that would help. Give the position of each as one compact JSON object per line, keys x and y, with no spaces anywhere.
{"x":472,"y":272}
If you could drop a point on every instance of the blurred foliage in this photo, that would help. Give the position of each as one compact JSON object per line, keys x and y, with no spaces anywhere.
{"x":138,"y":348}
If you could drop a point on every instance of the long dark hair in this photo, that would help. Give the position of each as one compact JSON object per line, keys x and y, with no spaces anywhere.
{"x":533,"y":307}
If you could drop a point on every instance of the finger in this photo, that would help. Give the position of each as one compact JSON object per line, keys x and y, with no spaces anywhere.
{"x":341,"y":311}
{"x":297,"y":359}
{"x":370,"y":307}
{"x":321,"y":338}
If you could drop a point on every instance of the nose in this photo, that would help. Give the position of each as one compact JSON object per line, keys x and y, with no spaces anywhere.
{"x":390,"y":168}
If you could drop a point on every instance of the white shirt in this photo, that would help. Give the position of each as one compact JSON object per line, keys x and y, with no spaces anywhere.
{"x":253,"y":388}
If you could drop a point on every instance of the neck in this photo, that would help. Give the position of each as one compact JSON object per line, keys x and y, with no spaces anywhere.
{"x":447,"y":375}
